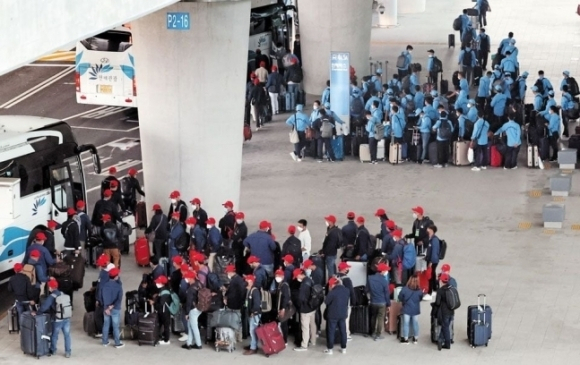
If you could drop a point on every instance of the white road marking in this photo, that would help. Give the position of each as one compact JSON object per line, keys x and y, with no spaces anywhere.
{"x":105,"y":112}
{"x":33,"y":90}
{"x":132,"y":129}
{"x":83,"y":113}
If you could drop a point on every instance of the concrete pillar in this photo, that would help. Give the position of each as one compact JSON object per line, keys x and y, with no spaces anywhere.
{"x":333,"y":25}
{"x":411,"y":6}
{"x":191,"y":87}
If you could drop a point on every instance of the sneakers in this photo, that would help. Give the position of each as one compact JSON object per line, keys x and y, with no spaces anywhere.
{"x":319,"y":161}
{"x":186,"y":346}
{"x":475,"y":169}
{"x":484,"y":167}
{"x":98,"y":335}
{"x":427,"y":297}
{"x":404,"y":341}
{"x":515,"y":167}
{"x":183,"y":338}
{"x":293,"y":155}
{"x":328,"y":351}
{"x":300,"y":349}
{"x":298,"y":160}
{"x":349,"y":338}
{"x":195,"y":347}
{"x":67,"y":356}
{"x":343,"y":351}
{"x":250,"y":352}
{"x":105,"y":344}
{"x":120,"y":346}
{"x":438,"y":166}
{"x":164,"y":342}
{"x":414,"y":340}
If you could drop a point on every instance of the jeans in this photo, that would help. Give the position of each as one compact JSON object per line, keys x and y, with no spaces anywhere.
{"x":57,"y":326}
{"x":425,"y":136}
{"x":301,"y":143}
{"x":193,"y":328}
{"x":553,"y":139}
{"x":327,"y":146}
{"x":442,"y":152}
{"x":406,"y":319}
{"x":114,"y":255}
{"x":254,"y":323}
{"x":377,"y":318}
{"x":269,"y":269}
{"x":330,"y":266}
{"x":331,"y":332}
{"x":468,"y":72}
{"x":22,"y":307}
{"x":114,"y":317}
{"x":293,"y":88}
{"x":373,"y":148}
{"x":308,"y":327}
{"x":480,"y":153}
{"x":482,"y":57}
{"x":434,"y":79}
{"x":274,"y":102}
{"x":511,"y":157}
{"x":445,"y":334}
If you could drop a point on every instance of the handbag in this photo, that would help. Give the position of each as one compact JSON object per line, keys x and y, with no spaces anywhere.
{"x":288,"y":311}
{"x":151,"y":235}
{"x":294,"y":138}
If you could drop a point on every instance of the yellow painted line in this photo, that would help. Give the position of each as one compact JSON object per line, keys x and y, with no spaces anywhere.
{"x":576,"y":227}
{"x":549,"y":231}
{"x":525,"y":225}
{"x":559,"y":198}
{"x":535,"y":193}
{"x":59,"y":56}
{"x":567,"y":171}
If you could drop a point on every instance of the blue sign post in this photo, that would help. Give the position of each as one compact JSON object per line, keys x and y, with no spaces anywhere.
{"x":340,"y":88}
{"x":178,"y":21}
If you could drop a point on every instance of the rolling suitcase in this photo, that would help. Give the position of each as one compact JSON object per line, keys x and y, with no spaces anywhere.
{"x":455,"y":79}
{"x":444,"y":87}
{"x":225,"y":339}
{"x":289,"y":102}
{"x":381,"y":150}
{"x":451,"y":40}
{"x":480,"y":313}
{"x":415,"y":151}
{"x":177,"y":324}
{"x":271,"y":338}
{"x":337,"y":145}
{"x":142,"y":255}
{"x":77,"y":274}
{"x":300,"y":97}
{"x":391,"y":318}
{"x":533,"y":157}
{"x":432,"y":153}
{"x":364,"y":153}
{"x":89,"y":325}
{"x":141,"y":215}
{"x":35,"y":334}
{"x":281,"y":103}
{"x":477,"y":74}
{"x":396,"y":153}
{"x":13,"y":320}
{"x":495,"y":157}
{"x":148,"y":328}
{"x":435,"y":329}
{"x":360,"y":320}
{"x":460,"y":153}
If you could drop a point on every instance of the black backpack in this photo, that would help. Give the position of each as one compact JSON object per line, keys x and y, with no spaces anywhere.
{"x":294,"y":249}
{"x":540,"y":85}
{"x":572,"y":86}
{"x":126,"y":190}
{"x":111,"y":234}
{"x":445,"y":129}
{"x":297,"y":75}
{"x":437,"y":65}
{"x":468,"y":129}
{"x":316,"y":296}
{"x":442,"y":249}
{"x":467,"y":58}
{"x":457,"y":23}
{"x":452,"y":298}
{"x":356,"y":107}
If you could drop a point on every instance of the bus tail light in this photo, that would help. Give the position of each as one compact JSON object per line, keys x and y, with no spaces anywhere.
{"x":78,"y":81}
{"x":134,"y":87}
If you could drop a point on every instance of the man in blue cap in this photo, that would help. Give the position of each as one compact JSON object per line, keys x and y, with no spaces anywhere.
{"x":424,"y":124}
{"x":300,"y":121}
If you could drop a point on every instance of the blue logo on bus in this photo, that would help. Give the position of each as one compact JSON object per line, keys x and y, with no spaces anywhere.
{"x":97,"y":69}
{"x":37,"y":204}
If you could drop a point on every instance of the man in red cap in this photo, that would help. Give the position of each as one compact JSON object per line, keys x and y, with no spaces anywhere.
{"x":106,"y":183}
{"x":364,"y":246}
{"x":446,"y":269}
{"x":191,"y":312}
{"x":288,"y":263}
{"x":343,"y":269}
{"x":85,"y":228}
{"x":419,"y":230}
{"x":336,"y":314}
{"x":198,"y":235}
{"x":378,"y":285}
{"x":349,"y":231}
{"x":445,"y":312}
{"x":228,"y":221}
{"x":292,"y":246}
{"x":43,"y":258}
{"x":48,"y":231}
{"x":176,"y":275}
{"x":254,"y":311}
{"x":236,"y":292}
{"x":284,"y":307}
{"x":214,"y":242}
{"x":70,"y":231}
{"x":240,"y":234}
{"x":57,"y":306}
{"x":261,"y":245}
{"x":157,"y":232}
{"x":198,"y":212}
{"x":275,"y":80}
{"x":111,"y":240}
{"x":161,"y":304}
{"x":381,"y":215}
{"x":258,"y":101}
{"x":130,"y":186}
{"x":396,"y":258}
{"x":432,"y":258}
{"x":306,"y":309}
{"x":105,"y":206}
{"x":388,"y":242}
{"x":332,"y":242}
{"x":117,"y":197}
{"x":112,"y":299}
{"x":177,"y":205}
{"x":261,"y":277}
{"x":22,"y":289}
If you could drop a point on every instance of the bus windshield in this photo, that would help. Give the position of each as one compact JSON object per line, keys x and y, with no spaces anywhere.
{"x":111,"y":41}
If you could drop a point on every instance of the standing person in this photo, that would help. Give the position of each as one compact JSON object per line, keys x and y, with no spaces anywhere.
{"x":198,"y":212}
{"x":262,"y":58}
{"x":282,"y":302}
{"x":105,"y":206}
{"x":228,"y":221}
{"x":307,"y":313}
{"x":112,"y":298}
{"x":85,"y":228}
{"x":553,"y":133}
{"x":467,"y":61}
{"x":235,"y":294}
{"x":214,"y":242}
{"x":349,"y":236}
{"x":22,"y":289}
{"x":325,"y":132}
{"x":49,"y":233}
{"x":332,"y":241}
{"x":343,"y":268}
{"x":177,"y":205}
{"x":292,"y":247}
{"x":130,"y":190}
{"x":325,"y":98}
{"x":378,"y":287}
{"x":305,"y":238}
{"x":419,"y":229}
{"x":49,"y":306}
{"x":258,"y":101}
{"x":158,"y":226}
{"x":410,"y":296}
{"x":483,"y":48}
{"x":117,"y":197}
{"x":444,"y":314}
{"x":363,"y":245}
{"x":192,"y":313}
{"x":444,"y":130}
{"x":255,"y":312}
{"x":403,"y":68}
{"x":371,"y":127}
{"x":479,"y":141}
{"x":293,"y":77}
{"x":513,"y":132}
{"x":176,"y":236}
{"x":273,"y":84}
{"x":240,"y":234}
{"x":432,"y":259}
{"x":336,"y":313}
{"x":261,"y":73}
{"x":483,"y":7}
{"x":432,"y":69}
{"x":262,"y":246}
{"x":161,"y":304}
{"x":300,"y":121}
{"x":70,"y":231}
{"x":446,"y":269}
{"x":111,"y":238}
{"x":106,"y":183}
{"x":424,"y":124}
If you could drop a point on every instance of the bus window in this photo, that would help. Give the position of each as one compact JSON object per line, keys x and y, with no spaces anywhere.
{"x":111,"y":41}
{"x":62,"y":190}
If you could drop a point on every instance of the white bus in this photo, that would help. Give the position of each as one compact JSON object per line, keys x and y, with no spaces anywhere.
{"x":105,"y":69}
{"x":41,"y":175}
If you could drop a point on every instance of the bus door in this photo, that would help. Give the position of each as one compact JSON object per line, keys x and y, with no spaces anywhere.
{"x":61,"y":188}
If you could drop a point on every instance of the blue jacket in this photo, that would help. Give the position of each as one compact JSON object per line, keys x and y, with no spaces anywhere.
{"x":411,"y":300}
{"x":433,"y":250}
{"x":461,"y":125}
{"x":521,"y":87}
{"x":513,"y":50}
{"x":325,"y":96}
{"x":483,"y":91}
{"x":200,"y":237}
{"x":513,"y":132}
{"x":545,"y":113}
{"x":370,"y":127}
{"x":464,"y":22}
{"x":507,"y":85}
{"x":298,"y":120}
{"x":369,"y":103}
{"x":547,"y":86}
{"x":538,"y":102}
{"x":176,"y":232}
{"x":215,"y":239}
{"x":388,"y":243}
{"x":45,"y":260}
{"x":473,"y":56}
{"x":334,"y":116}
{"x":386,"y":104}
{"x":498,"y":104}
{"x":378,"y":287}
{"x":553,"y":123}
{"x":472,"y":114}
{"x":429,"y":64}
{"x":113,"y":294}
{"x":85,"y":225}
{"x":430,"y":111}
{"x":424,"y":124}
{"x":464,"y":86}
{"x":503,"y":44}
{"x":508,"y":65}
{"x":261,"y":277}
{"x":48,"y":306}
{"x":288,"y":270}
{"x":452,"y":282}
{"x":337,"y":302}
{"x":480,"y":129}
{"x":262,"y":246}
{"x":413,"y":81}
{"x":103,"y":279}
{"x":397,"y":254}
{"x":158,"y":270}
{"x":378,"y":82}
{"x":408,"y":60}
{"x":461,"y":101}
{"x":314,"y":115}
{"x":436,"y":102}
{"x":567,"y":101}
{"x":419,"y":99}
{"x":438,"y":124}
{"x":377,"y":113}
{"x":398,"y":125}
{"x":274,"y":82}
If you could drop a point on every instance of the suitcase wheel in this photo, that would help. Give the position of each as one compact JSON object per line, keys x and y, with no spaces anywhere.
{"x":267,"y":355}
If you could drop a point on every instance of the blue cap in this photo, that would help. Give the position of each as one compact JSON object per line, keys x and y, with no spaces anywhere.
{"x":299,"y":107}
{"x":418,"y":112}
{"x":567,"y":73}
{"x":551,"y":92}
{"x":433,"y":93}
{"x":389,"y":91}
{"x":471,"y":101}
{"x":525,"y":74}
{"x":379,"y":70}
{"x":327,"y":105}
{"x":534,"y":88}
{"x":356,"y":91}
{"x":497,"y":87}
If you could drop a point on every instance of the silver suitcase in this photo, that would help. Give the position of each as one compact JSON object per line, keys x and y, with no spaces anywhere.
{"x":225,"y":339}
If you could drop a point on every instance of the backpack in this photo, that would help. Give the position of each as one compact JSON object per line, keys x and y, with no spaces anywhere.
{"x":379,"y":131}
{"x":266,"y":300}
{"x":297,"y":75}
{"x":111,"y":234}
{"x":445,"y":129}
{"x":468,"y":129}
{"x":452,"y":298}
{"x":203,"y":299}
{"x":395,"y":87}
{"x":401,"y":60}
{"x":63,"y":306}
{"x":30,"y":272}
{"x":293,"y":249}
{"x":442,"y":249}
{"x":126,"y":190}
{"x":406,"y":82}
{"x":356,"y":107}
{"x":326,"y":128}
{"x":540,"y":85}
{"x":572,"y":86}
{"x":174,"y":306}
{"x":457,"y":23}
{"x":410,"y":107}
{"x":437,"y":65}
{"x":316,"y":296}
{"x":467,"y":58}
{"x":484,"y":43}
{"x":409,"y":256}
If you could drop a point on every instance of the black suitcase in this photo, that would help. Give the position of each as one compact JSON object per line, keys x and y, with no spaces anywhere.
{"x":13,"y":320}
{"x":148,"y":329}
{"x":35,"y":334}
{"x":477,"y":74}
{"x":455,"y":79}
{"x":360,"y":320}
{"x":432,"y":153}
{"x":281,"y":103}
{"x":451,"y":40}
{"x":300,"y":97}
{"x":77,"y":273}
{"x":480,"y":313}
{"x":89,"y":325}
{"x":415,"y":151}
{"x":444,"y":87}
{"x":472,"y":12}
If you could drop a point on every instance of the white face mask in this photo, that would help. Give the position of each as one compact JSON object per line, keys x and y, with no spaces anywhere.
{"x":189,"y":227}
{"x":239,"y":221}
{"x":315,"y":107}
{"x":327,"y":224}
{"x":173,"y":201}
{"x":415,"y":215}
{"x":300,"y":229}
{"x":209,"y":226}
{"x":226,"y":210}
{"x":308,"y":272}
{"x":279,"y":279}
{"x":159,"y":286}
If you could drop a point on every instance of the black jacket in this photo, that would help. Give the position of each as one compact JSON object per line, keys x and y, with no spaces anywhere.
{"x":240,"y":234}
{"x":282,"y":296}
{"x":133,"y":187}
{"x":349,"y":233}
{"x":105,"y":206}
{"x":201,"y":217}
{"x":226,"y":225}
{"x":304,"y":296}
{"x":337,"y":302}
{"x":293,"y":247}
{"x":162,"y":302}
{"x":363,"y":244}
{"x":159,"y":221}
{"x":347,"y":282}
{"x":107,"y":243}
{"x":117,"y":200}
{"x":317,"y":276}
{"x":254,"y":301}
{"x":258,"y":95}
{"x":419,"y":231}
{"x":175,"y":280}
{"x":182,"y":208}
{"x":441,"y":303}
{"x":236,"y":293}
{"x":19,"y":284}
{"x":332,"y":241}
{"x":70,"y":231}
{"x":191,"y":296}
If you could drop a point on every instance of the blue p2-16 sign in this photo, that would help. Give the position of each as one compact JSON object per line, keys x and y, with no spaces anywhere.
{"x":178,"y":21}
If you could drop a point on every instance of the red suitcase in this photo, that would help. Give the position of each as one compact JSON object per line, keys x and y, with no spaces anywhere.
{"x":142,"y":252}
{"x":271,"y":338}
{"x":496,"y":158}
{"x":424,"y":278}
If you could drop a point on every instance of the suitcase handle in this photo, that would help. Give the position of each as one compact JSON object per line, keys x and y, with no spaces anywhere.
{"x":484,"y":303}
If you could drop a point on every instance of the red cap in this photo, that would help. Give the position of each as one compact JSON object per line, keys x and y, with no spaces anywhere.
{"x":71,"y":211}
{"x":51,"y":224}
{"x":103,"y":261}
{"x":444,"y":277}
{"x":262,"y":64}
{"x":360,"y":219}
{"x":18,"y":267}
{"x":112,"y":170}
{"x":191,"y":221}
{"x":332,"y":281}
{"x":230,"y":268}
{"x":174,"y":194}
{"x":264,"y":225}
{"x":279,"y":272}
{"x":274,"y":68}
{"x":251,"y":278}
{"x":446,"y":268}
{"x":397,"y":233}
{"x":188,"y":274}
{"x":228,"y":204}
{"x":210,"y":220}
{"x":53,"y":284}
{"x":177,"y":260}
{"x":294,"y":61}
{"x":114,"y":272}
{"x":256,"y":82}
{"x":297,"y":272}
{"x":114,"y":183}
{"x":330,"y":218}
{"x":199,"y":257}
{"x":380,"y":212}
{"x":418,"y":209}
{"x":307,"y":264}
{"x":252,"y":75}
{"x":40,"y":236}
{"x":253,"y":259}
{"x":288,"y":258}
{"x":350,"y":215}
{"x":81,"y":204}
{"x":184,"y":267}
{"x":132,"y":172}
{"x":35,"y":253}
{"x":175,"y":215}
{"x":390,"y":224}
{"x":382,"y":267}
{"x":161,"y":280}
{"x":343,"y":265}
{"x":240,"y":215}
{"x":156,"y":207}
{"x":107,"y":193}
{"x":291,"y":229}
{"x":106,"y":218}
{"x":195,"y":201}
